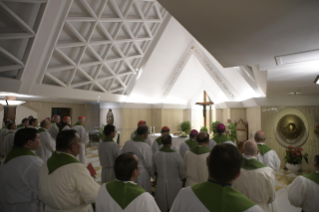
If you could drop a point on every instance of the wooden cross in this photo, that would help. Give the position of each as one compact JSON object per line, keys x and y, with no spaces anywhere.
{"x":204,"y":104}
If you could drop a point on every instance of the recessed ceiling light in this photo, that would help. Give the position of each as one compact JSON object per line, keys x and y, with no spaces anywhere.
{"x":317,"y":80}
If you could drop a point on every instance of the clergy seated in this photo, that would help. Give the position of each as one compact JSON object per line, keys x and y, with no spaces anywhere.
{"x":3,"y":133}
{"x":217,"y":194}
{"x":157,"y":144}
{"x":47,"y":142}
{"x":108,"y":152}
{"x":65,"y":183}
{"x":256,"y":180}
{"x":169,"y":166}
{"x":266,"y":155}
{"x":188,"y":144}
{"x":195,"y":161}
{"x":84,"y":138}
{"x":123,"y":194}
{"x":54,"y":126}
{"x":220,"y":137}
{"x":144,"y":153}
{"x":303,"y":192}
{"x":134,"y":134}
{"x":9,"y":138}
{"x":19,"y":184}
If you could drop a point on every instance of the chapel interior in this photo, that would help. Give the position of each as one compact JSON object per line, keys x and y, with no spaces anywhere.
{"x":253,"y":61}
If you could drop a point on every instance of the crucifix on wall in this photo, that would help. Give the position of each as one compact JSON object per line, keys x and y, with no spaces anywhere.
{"x":204,"y":104}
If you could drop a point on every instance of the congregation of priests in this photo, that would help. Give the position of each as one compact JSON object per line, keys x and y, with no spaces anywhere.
{"x":44,"y":168}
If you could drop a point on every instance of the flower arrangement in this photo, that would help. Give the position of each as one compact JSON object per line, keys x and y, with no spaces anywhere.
{"x":186,"y":127}
{"x":213,"y":126}
{"x":204,"y":129}
{"x":294,"y":155}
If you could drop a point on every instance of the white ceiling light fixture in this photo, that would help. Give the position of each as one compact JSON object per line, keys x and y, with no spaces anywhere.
{"x":11,"y":102}
{"x":317,"y":80}
{"x":297,"y":58}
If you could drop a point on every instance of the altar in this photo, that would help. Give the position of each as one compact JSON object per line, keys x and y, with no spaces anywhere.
{"x":176,"y":140}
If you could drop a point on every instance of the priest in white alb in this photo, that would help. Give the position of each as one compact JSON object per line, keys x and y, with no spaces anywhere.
{"x":195,"y":161}
{"x":122,"y":194}
{"x":144,"y":153}
{"x":65,"y":183}
{"x":108,"y":152}
{"x":19,"y":174}
{"x":3,"y":133}
{"x":66,"y":123}
{"x":303,"y":192}
{"x":189,"y":143}
{"x":217,"y":193}
{"x":54,"y":127}
{"x":134,"y":134}
{"x":9,"y":138}
{"x":169,"y":166}
{"x":33,"y":123}
{"x":266,"y":155}
{"x":78,"y":126}
{"x":47,"y":142}
{"x":256,"y":180}
{"x":157,"y":144}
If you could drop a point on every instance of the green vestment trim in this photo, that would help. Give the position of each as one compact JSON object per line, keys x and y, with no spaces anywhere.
{"x":8,"y":133}
{"x":77,"y":124}
{"x":108,"y":139}
{"x":18,"y":151}
{"x":191,"y":143}
{"x":135,"y":132}
{"x":263,"y":149}
{"x":313,"y":176}
{"x":58,"y":160}
{"x":123,"y":193}
{"x":41,"y":130}
{"x":166,"y":149}
{"x":159,"y":140}
{"x":52,"y":122}
{"x":252,"y":164}
{"x":138,"y":138}
{"x":20,"y":125}
{"x":220,"y":138}
{"x":223,"y":199}
{"x":198,"y":150}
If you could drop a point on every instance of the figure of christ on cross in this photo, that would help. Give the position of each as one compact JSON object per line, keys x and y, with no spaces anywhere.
{"x":204,"y":104}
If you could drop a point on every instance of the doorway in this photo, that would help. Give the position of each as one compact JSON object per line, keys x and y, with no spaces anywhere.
{"x":61,"y":112}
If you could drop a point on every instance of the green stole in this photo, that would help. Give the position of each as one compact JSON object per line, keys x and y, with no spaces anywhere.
{"x":58,"y":160}
{"x":166,"y":149}
{"x":223,"y":199}
{"x":252,"y":164}
{"x":198,"y":150}
{"x":263,"y":149}
{"x":313,"y":176}
{"x":220,"y":138}
{"x":135,"y":132}
{"x":41,"y":130}
{"x":18,"y":151}
{"x":52,"y":122}
{"x":191,"y":143}
{"x":159,"y":140}
{"x":138,"y":139}
{"x":77,"y":124}
{"x":123,"y":193}
{"x":10,"y":131}
{"x":108,"y":139}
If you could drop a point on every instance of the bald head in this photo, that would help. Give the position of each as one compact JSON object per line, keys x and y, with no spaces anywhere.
{"x":202,"y":137}
{"x":250,"y":148}
{"x":260,"y":136}
{"x":45,"y":124}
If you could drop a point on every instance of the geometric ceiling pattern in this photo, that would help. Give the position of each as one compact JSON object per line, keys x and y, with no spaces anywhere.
{"x":101,"y":44}
{"x":18,"y":28}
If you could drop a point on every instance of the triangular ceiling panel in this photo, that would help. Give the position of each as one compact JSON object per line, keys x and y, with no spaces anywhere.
{"x":109,"y":11}
{"x":134,"y":13}
{"x":57,"y":60}
{"x":88,"y":57}
{"x":98,"y":35}
{"x":67,"y":36}
{"x":83,"y":28}
{"x":63,"y":76}
{"x":73,"y":53}
{"x":78,"y":10}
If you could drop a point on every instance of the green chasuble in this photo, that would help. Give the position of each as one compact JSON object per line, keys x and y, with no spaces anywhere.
{"x":108,"y":139}
{"x":222,"y":199}
{"x":191,"y":143}
{"x":252,"y":164}
{"x":41,"y":130}
{"x":233,"y":134}
{"x":220,"y":138}
{"x":166,"y":149}
{"x":58,"y":160}
{"x":313,"y":176}
{"x":159,"y":140}
{"x":198,"y":150}
{"x":123,"y":193}
{"x":18,"y":151}
{"x":263,"y":149}
{"x":138,"y":139}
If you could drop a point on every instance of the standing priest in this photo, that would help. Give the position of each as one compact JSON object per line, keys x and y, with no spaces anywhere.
{"x":54,"y":126}
{"x":78,"y":126}
{"x":188,"y":144}
{"x":9,"y":138}
{"x":148,"y":139}
{"x":47,"y":142}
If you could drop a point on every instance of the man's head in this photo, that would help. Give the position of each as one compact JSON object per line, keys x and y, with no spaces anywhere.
{"x":45,"y":124}
{"x":7,"y":122}
{"x":48,"y":118}
{"x":142,"y":131}
{"x":250,"y":148}
{"x":109,"y":130}
{"x":25,"y":122}
{"x":33,"y":122}
{"x":30,"y":117}
{"x":165,"y":130}
{"x":220,"y":128}
{"x":203,"y":138}
{"x":56,"y":119}
{"x":68,"y":141}
{"x":316,"y":162}
{"x":12,"y":126}
{"x":167,"y":140}
{"x":224,"y":163}
{"x":67,"y":120}
{"x":126,"y":167}
{"x":228,"y":120}
{"x":81,"y":120}
{"x":141,"y":123}
{"x":193,"y":134}
{"x":28,"y":138}
{"x":260,"y":136}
